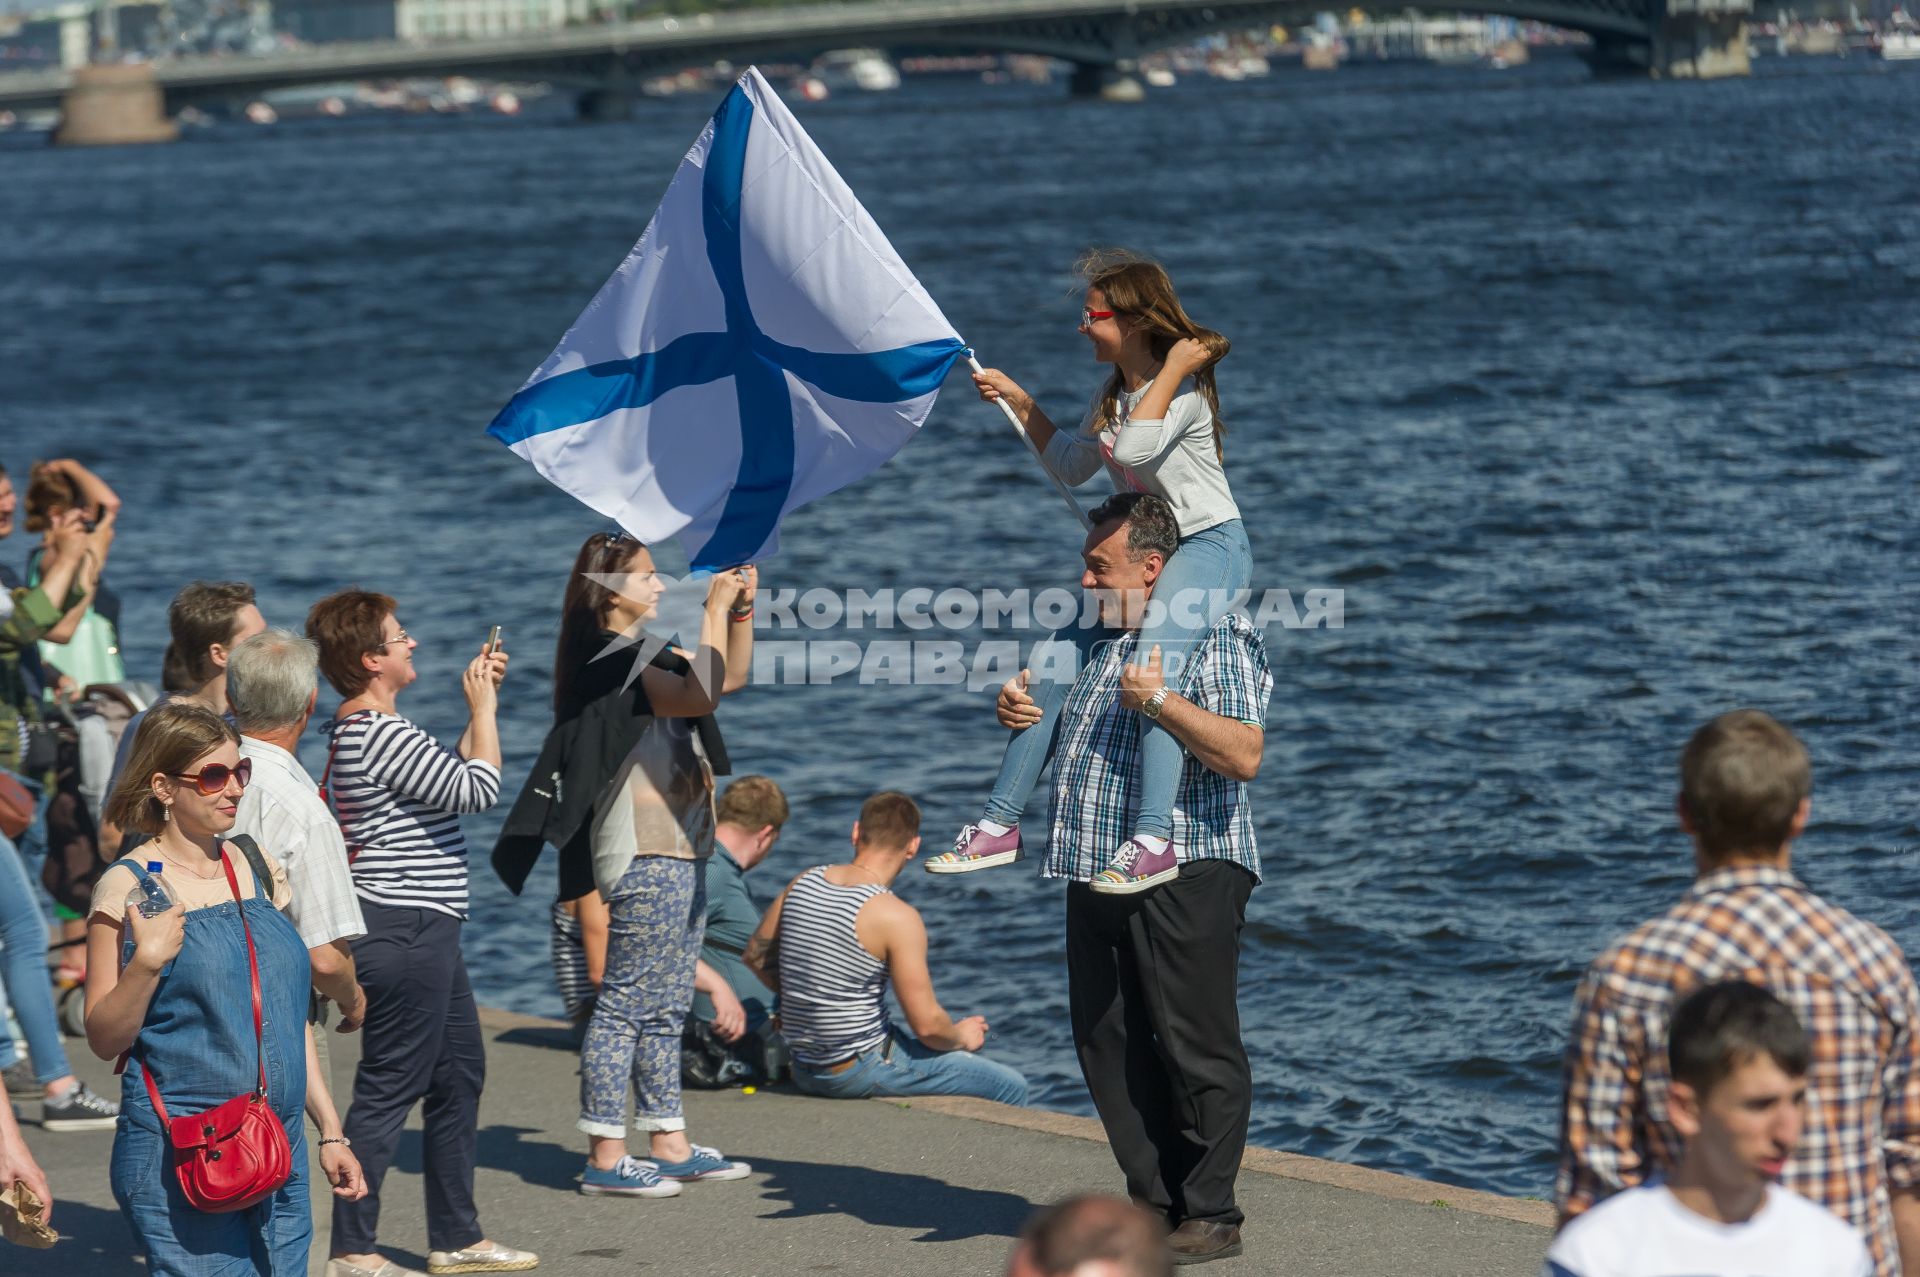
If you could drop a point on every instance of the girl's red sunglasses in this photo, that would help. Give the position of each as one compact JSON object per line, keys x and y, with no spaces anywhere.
{"x":213,"y":778}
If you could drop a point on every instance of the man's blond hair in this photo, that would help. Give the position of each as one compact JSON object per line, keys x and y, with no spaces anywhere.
{"x":752,"y":803}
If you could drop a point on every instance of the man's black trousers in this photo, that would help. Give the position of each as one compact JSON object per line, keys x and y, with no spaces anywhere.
{"x":1153,"y":981}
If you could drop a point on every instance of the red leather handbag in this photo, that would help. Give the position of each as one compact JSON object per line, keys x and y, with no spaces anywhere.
{"x":236,"y":1154}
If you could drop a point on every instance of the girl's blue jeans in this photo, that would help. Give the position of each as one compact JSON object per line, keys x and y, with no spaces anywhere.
{"x":23,"y":970}
{"x":1194,"y":590}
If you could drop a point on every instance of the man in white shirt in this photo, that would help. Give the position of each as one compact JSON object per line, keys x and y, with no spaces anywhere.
{"x":1739,"y":1099}
{"x":271,"y":688}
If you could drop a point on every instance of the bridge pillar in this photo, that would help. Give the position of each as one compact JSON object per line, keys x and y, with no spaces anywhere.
{"x":1109,"y":83}
{"x":115,"y":105}
{"x":1700,"y":40}
{"x":1686,"y":40}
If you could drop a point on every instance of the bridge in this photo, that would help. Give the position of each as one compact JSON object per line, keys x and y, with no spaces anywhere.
{"x":1101,"y":38}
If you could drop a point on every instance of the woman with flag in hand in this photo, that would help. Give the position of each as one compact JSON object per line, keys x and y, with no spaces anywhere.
{"x":624,"y":788}
{"x":1155,"y":426}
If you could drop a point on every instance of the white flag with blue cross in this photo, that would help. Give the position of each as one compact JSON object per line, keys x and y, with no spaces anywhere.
{"x":761,"y":346}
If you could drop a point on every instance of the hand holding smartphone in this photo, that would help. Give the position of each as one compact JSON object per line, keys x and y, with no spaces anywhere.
{"x":493,"y":658}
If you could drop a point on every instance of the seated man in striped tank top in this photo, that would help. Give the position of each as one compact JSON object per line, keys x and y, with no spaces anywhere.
{"x":829,"y":946}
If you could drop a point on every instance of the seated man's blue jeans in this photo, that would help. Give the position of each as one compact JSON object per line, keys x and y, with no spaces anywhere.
{"x":906,"y":1067}
{"x":23,"y":967}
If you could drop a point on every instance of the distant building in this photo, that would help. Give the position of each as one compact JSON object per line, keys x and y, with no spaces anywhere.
{"x":53,"y":37}
{"x":326,"y":21}
{"x":73,"y":33}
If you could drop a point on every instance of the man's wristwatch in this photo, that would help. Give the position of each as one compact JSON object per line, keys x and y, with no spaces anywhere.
{"x":1152,"y":708}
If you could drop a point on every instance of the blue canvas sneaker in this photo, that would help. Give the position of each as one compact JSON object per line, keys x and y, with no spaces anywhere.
{"x":705,"y":1164}
{"x":629,"y":1177}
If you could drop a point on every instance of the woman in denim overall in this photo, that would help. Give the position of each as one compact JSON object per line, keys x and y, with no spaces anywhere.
{"x":184,"y":975}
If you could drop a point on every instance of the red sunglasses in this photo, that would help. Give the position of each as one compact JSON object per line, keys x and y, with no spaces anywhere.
{"x":1088,"y":316}
{"x":213,"y":778}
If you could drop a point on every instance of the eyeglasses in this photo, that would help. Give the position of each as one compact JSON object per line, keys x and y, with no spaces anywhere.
{"x":401,"y":637}
{"x":212,"y":779}
{"x":1088,"y":316}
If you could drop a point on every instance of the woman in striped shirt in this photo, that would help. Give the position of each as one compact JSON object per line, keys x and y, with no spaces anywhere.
{"x":399,"y":795}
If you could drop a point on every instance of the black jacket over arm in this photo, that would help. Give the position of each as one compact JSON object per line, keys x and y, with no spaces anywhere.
{"x":590,"y":739}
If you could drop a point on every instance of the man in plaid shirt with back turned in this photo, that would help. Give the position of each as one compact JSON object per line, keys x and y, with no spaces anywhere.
{"x":1153,"y":975}
{"x":1744,"y":796}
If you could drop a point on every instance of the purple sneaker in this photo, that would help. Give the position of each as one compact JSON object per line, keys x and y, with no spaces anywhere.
{"x":1134,"y":868}
{"x":975,"y":848}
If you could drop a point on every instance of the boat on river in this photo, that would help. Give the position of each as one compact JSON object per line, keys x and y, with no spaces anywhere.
{"x":1900,"y":45}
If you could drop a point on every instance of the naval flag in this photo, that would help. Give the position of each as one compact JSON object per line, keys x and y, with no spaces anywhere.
{"x":761,"y":346}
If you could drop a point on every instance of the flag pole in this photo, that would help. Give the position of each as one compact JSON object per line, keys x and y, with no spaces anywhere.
{"x":1065,"y":493}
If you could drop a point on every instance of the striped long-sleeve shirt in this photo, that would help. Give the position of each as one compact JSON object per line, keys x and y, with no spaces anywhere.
{"x":399,"y":795}
{"x":1844,"y":978}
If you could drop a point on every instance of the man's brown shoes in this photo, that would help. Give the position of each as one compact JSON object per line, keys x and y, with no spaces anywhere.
{"x":1197,"y":1241}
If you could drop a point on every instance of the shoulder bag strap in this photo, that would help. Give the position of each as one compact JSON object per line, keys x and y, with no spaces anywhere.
{"x":326,"y":777}
{"x":253,"y":969}
{"x":256,"y":861}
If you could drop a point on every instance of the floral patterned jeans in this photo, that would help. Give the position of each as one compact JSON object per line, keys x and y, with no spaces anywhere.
{"x":657,"y":917}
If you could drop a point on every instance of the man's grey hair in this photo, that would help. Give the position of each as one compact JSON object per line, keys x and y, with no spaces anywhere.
{"x":270,"y":678}
{"x":1151,"y":527}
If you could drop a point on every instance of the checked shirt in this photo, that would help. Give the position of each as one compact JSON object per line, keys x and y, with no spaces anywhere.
{"x":1844,"y":978}
{"x":1096,"y":756}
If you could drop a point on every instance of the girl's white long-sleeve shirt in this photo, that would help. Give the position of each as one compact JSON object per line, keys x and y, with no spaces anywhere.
{"x":1172,"y":458}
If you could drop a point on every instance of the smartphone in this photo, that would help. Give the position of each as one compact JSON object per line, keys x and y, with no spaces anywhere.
{"x":493,"y":640}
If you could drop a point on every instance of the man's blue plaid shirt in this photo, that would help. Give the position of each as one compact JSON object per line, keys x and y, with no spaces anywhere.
{"x":1096,"y":757}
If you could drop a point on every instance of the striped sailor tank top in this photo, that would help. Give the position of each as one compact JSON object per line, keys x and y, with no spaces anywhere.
{"x":832,"y":991}
{"x":568,"y":949}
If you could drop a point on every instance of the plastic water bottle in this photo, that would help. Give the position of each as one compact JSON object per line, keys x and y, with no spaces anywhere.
{"x":150,"y":896}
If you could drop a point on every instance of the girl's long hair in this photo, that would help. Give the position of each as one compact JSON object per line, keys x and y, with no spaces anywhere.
{"x":1138,"y":287}
{"x":583,"y":608}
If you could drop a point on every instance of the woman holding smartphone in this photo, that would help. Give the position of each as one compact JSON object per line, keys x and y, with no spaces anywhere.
{"x":399,"y":795}
{"x":624,"y":787}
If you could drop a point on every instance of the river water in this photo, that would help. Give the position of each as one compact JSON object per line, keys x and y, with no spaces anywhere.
{"x":1597,"y":400}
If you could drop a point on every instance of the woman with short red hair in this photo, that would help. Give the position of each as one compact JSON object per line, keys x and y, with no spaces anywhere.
{"x":399,"y":795}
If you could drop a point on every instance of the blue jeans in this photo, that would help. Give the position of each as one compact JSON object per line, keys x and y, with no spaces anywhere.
{"x":906,"y":1067}
{"x":656,"y":919}
{"x":1193,"y":591}
{"x":23,"y":969}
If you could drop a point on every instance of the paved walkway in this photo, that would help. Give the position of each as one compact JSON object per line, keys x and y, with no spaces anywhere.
{"x":856,"y":1188}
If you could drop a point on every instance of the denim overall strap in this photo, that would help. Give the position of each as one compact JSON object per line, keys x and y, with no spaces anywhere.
{"x":253,"y":976}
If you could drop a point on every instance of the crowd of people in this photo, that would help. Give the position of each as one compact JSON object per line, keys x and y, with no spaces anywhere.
{"x":1742,"y":1085}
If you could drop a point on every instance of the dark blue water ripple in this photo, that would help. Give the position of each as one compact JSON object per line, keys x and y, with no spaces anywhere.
{"x":1596,"y":399}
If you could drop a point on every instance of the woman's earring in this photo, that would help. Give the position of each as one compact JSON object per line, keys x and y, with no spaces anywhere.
{"x":166,"y":812}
